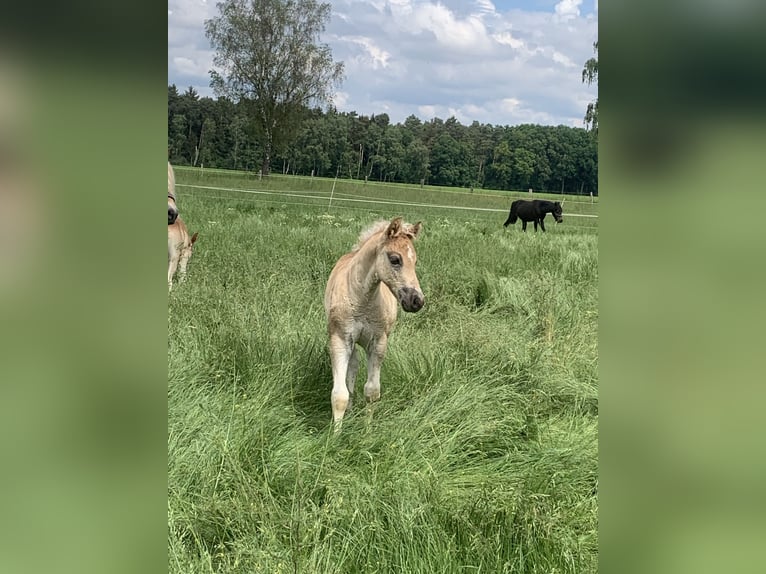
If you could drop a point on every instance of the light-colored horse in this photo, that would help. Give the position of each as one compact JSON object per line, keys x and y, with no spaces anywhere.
{"x":361,"y":302}
{"x":172,"y":208}
{"x":179,"y":250}
{"x":179,"y":242}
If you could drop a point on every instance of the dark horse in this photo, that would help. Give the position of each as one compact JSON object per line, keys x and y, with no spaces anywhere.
{"x":533,"y":210}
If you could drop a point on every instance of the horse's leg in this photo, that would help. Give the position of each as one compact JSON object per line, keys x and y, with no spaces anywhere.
{"x":542,"y":225}
{"x":353,"y":369}
{"x":172,"y":266}
{"x":183,"y":262}
{"x":340,"y":353}
{"x":376,"y":350}
{"x":523,"y":225}
{"x":536,"y":224}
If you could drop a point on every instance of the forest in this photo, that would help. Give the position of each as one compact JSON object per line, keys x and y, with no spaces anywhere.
{"x":216,"y":133}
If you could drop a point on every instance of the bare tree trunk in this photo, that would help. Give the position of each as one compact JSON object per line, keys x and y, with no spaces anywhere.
{"x":199,"y":144}
{"x":266,"y":163}
{"x":359,"y":169}
{"x":372,"y":160}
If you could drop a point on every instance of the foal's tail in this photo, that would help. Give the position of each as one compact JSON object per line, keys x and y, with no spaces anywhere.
{"x":512,"y":217}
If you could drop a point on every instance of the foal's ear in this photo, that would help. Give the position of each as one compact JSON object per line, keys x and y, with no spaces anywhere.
{"x":415,"y":229}
{"x":194,"y":237}
{"x":394,"y":227}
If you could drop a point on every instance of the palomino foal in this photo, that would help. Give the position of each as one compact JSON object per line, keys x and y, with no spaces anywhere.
{"x":361,"y":301}
{"x":179,"y":242}
{"x":179,"y":250}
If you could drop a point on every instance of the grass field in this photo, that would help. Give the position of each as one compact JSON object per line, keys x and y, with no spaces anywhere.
{"x":482,"y":454}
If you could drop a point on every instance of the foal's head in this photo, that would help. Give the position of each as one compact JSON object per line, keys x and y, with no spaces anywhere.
{"x":395,"y":264}
{"x":172,"y":210}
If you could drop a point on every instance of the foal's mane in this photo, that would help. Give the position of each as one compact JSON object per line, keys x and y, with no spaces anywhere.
{"x":377,"y":227}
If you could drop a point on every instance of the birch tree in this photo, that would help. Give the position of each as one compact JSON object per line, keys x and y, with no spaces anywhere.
{"x":268,"y":54}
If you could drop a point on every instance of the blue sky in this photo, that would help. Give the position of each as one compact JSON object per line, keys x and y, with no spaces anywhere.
{"x":501,"y":62}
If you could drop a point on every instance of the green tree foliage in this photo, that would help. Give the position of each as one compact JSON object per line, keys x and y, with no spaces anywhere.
{"x":218,"y":133}
{"x":271,"y":59}
{"x":177,"y":138}
{"x":589,"y":76}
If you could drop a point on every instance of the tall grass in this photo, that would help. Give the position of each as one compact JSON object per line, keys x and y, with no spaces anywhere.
{"x":481,"y":455}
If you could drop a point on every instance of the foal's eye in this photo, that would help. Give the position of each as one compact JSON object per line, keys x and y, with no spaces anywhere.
{"x":395,"y":259}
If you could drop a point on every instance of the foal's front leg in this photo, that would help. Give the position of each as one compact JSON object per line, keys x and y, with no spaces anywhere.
{"x":183,"y":262}
{"x":340,"y":354}
{"x":375,"y":353}
{"x":172,"y":266}
{"x":353,"y":369}
{"x":542,"y":225}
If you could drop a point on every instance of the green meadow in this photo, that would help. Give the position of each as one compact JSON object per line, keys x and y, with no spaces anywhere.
{"x":482,"y":454}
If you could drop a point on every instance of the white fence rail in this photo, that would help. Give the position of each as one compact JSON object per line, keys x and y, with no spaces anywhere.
{"x":305,"y":195}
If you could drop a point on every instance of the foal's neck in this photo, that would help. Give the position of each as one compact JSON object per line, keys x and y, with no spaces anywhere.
{"x":363,"y":269}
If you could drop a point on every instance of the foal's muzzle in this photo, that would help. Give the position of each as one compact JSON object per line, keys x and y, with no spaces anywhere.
{"x":558,"y":218}
{"x":411,"y":299}
{"x":172,"y":215}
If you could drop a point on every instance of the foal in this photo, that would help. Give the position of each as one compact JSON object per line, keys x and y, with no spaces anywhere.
{"x":361,"y":302}
{"x":179,"y":250}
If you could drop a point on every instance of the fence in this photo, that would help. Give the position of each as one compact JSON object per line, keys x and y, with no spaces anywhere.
{"x":327,"y":193}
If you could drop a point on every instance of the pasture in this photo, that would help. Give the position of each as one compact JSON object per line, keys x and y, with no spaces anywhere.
{"x":482,"y":454}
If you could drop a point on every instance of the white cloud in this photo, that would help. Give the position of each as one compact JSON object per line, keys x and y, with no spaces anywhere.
{"x":189,"y":54}
{"x":377,"y":57}
{"x":509,"y":104}
{"x":340,"y":99}
{"x":568,"y":9}
{"x":190,"y":67}
{"x":450,"y":31}
{"x":562,"y":59}
{"x":433,"y":58}
{"x":428,"y":112}
{"x":485,"y":6}
{"x":507,"y":39}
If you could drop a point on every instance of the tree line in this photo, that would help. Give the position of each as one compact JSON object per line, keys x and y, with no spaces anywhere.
{"x":204,"y":131}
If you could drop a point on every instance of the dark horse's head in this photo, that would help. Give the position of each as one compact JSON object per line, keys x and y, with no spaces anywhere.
{"x":172,"y":210}
{"x":557,"y":212}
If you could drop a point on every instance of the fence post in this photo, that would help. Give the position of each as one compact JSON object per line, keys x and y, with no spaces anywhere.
{"x":332,"y":191}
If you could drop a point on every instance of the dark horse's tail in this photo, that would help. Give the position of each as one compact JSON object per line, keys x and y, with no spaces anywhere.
{"x":512,"y":217}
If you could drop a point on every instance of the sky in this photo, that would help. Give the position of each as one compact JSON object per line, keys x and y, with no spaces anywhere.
{"x":506,"y":62}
